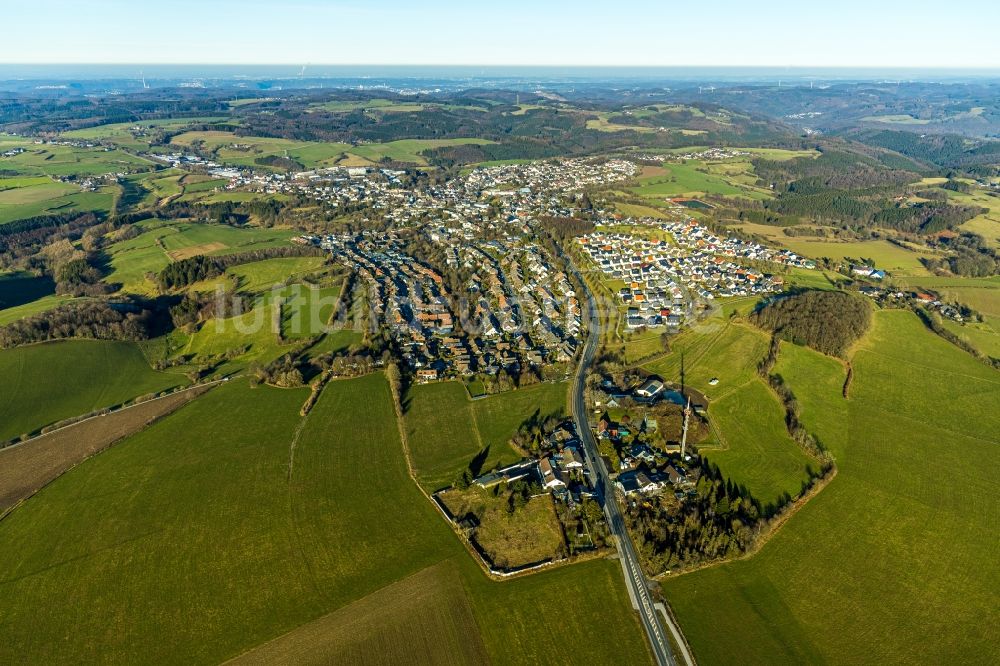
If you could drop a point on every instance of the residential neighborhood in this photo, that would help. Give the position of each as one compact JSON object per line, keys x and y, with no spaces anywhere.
{"x":661,"y":279}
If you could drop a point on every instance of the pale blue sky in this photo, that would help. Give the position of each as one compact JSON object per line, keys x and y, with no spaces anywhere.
{"x":851,"y":33}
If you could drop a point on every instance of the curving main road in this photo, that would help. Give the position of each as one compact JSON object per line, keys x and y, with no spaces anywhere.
{"x":634,"y":577}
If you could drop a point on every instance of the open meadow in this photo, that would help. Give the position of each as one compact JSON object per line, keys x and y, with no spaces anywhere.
{"x":47,"y":382}
{"x":892,"y":562}
{"x":689,"y":179}
{"x":28,"y":466}
{"x":247,"y":150}
{"x":448,"y":431}
{"x":134,"y":260}
{"x":136,"y":135}
{"x":69,"y":160}
{"x":887,"y":256}
{"x":32,"y":196}
{"x":748,"y":441}
{"x":253,"y":523}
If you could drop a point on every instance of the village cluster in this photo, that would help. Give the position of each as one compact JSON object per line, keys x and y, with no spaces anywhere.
{"x":896,"y":297}
{"x":560,"y":468}
{"x":519,"y":311}
{"x":665,"y":278}
{"x":707,"y":155}
{"x":515,"y":311}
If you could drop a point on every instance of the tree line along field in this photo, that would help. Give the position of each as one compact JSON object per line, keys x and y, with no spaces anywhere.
{"x":28,"y":466}
{"x":732,"y":177}
{"x":447,"y":431}
{"x":161,"y":242}
{"x":67,"y":160}
{"x":893,"y":561}
{"x":748,"y":441}
{"x":253,"y":523}
{"x":246,"y":150}
{"x":45,"y":383}
{"x":20,"y":287}
{"x":24,"y":197}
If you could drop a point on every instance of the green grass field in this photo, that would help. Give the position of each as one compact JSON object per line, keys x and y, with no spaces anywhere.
{"x":31,"y":196}
{"x":306,"y":311}
{"x":685,"y":180}
{"x":49,"y":382}
{"x":751,"y":445}
{"x":408,"y":150}
{"x":160,"y":243}
{"x":57,"y":160}
{"x":447,"y":430}
{"x":122,"y":134}
{"x":256,"y":330}
{"x":261,"y":275}
{"x":234,"y":149}
{"x":759,"y":453}
{"x":38,"y":306}
{"x":894,"y":561}
{"x":987,"y":224}
{"x":984,"y":336}
{"x":983,"y":294}
{"x":245,"y":150}
{"x":887,"y":256}
{"x":899,"y":261}
{"x":716,"y":349}
{"x":236,"y":532}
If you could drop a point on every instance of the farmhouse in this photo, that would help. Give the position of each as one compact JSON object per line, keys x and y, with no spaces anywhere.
{"x":511,"y":473}
{"x":552,"y":476}
{"x":650,"y":388}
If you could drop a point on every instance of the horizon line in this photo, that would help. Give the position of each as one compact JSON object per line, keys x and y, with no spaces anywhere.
{"x":494,"y":65}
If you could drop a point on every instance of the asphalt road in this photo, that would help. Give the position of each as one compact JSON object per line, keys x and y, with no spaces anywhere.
{"x":634,"y":578}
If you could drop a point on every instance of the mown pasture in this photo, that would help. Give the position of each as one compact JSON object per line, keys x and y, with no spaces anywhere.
{"x":685,"y":180}
{"x":757,"y":451}
{"x":448,"y":431}
{"x":136,"y":135}
{"x":28,"y":466}
{"x":425,"y":618}
{"x":894,"y":561}
{"x":253,"y":334}
{"x":25,"y":197}
{"x":133,"y":261}
{"x":887,"y":256}
{"x":64,"y":160}
{"x":48,"y":382}
{"x":246,"y":150}
{"x":242,"y":150}
{"x":748,"y":440}
{"x":240,"y":527}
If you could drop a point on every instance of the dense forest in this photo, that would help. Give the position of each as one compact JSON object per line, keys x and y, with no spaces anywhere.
{"x":93,"y":319}
{"x":848,"y":186}
{"x":721,"y":520}
{"x":827,"y":321}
